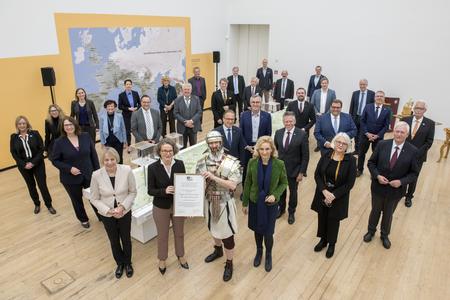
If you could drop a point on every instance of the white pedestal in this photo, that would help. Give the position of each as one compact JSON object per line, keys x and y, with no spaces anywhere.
{"x":143,"y":227}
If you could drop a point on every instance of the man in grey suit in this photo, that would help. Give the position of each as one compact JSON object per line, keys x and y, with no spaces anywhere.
{"x":321,"y":100}
{"x":188,"y":111}
{"x":145,"y":122}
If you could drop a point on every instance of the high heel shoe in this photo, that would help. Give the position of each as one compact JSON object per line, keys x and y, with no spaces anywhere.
{"x":162,"y":270}
{"x":183,"y":265}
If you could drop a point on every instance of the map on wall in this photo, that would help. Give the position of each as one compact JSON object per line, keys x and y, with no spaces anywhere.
{"x":104,"y":57}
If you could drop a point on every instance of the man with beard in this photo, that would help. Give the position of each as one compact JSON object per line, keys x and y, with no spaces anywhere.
{"x":222,"y":174}
{"x":305,"y":115}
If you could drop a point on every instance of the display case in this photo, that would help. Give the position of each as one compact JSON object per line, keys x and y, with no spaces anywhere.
{"x":287,"y":101}
{"x":143,"y":153}
{"x":176,"y":138}
{"x":271,"y":107}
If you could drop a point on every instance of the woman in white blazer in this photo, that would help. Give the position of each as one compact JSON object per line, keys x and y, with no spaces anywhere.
{"x":113,"y":190}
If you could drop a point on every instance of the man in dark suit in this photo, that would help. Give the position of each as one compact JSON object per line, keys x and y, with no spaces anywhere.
{"x":265,"y":76}
{"x":305,"y":115}
{"x":329,"y":124}
{"x":233,"y":139}
{"x":360,"y":99}
{"x":198,"y":84}
{"x":292,"y":145}
{"x":128,"y":102}
{"x":236,"y":86}
{"x":254,"y":123}
{"x":392,"y":166}
{"x":249,"y":91}
{"x":221,"y":100}
{"x":187,"y":112}
{"x":146,"y":122}
{"x":314,"y":81}
{"x":375,"y":121}
{"x":284,"y":89}
{"x":422,"y":136}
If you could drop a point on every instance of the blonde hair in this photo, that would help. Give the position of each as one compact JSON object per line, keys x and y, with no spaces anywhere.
{"x":60,"y":111}
{"x":26,"y":121}
{"x":110,"y":151}
{"x":262,"y":140}
{"x":346,"y":138}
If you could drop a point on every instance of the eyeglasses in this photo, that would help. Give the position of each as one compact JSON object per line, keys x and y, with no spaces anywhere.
{"x":341,"y":143}
{"x":53,"y":110}
{"x":166,"y":151}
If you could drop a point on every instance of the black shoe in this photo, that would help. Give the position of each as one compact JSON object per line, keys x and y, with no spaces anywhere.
{"x":408,"y":201}
{"x":228,"y":271}
{"x":185,"y":265}
{"x":258,"y":257}
{"x":316,"y":149}
{"x":37,"y":209}
{"x":119,"y":271}
{"x":129,"y":270}
{"x":358,"y":173}
{"x":322,"y":244}
{"x":386,"y":242}
{"x":268,"y":264}
{"x":52,"y":210}
{"x":291,"y":219}
{"x":368,"y":237}
{"x":330,"y":251}
{"x":85,"y":224}
{"x":162,"y":270}
{"x":280,"y":214}
{"x":218,"y":252}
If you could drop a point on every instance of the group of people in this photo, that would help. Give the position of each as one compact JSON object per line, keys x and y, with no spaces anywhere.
{"x":270,"y":169}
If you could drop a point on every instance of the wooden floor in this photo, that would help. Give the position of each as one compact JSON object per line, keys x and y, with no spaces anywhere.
{"x":36,"y":247}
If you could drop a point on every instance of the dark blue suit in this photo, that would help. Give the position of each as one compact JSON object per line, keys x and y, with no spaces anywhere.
{"x":64,"y":157}
{"x":238,"y":144}
{"x":166,"y":99}
{"x":324,"y":131}
{"x":370,"y":123}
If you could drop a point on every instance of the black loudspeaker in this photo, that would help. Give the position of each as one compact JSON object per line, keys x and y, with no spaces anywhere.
{"x":48,"y":76}
{"x":216,"y":57}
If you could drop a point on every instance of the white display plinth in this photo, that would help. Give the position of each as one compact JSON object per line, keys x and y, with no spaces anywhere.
{"x":143,"y":227}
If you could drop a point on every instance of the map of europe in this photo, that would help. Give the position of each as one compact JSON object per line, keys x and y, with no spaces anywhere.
{"x":104,"y":57}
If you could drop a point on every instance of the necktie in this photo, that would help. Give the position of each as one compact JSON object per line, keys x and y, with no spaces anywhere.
{"x":416,"y":127}
{"x":286,"y":142}
{"x":283,"y":87}
{"x":301,"y":107}
{"x":394,"y":158}
{"x":148,"y":125}
{"x":229,"y":136}
{"x":361,"y":106}
{"x":335,"y":125}
{"x":377,"y":110}
{"x":253,"y":91}
{"x":187,"y":102}
{"x":236,"y":85}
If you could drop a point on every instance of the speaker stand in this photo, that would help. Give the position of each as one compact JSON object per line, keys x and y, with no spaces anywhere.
{"x":52,"y":94}
{"x":217,"y":76}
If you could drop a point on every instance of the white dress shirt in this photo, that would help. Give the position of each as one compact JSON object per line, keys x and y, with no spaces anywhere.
{"x":236,"y":85}
{"x":362,"y":102}
{"x":379,"y":109}
{"x":255,"y":126}
{"x":148,"y":123}
{"x":283,"y":87}
{"x":400,"y":147}
{"x":338,"y":121}
{"x":168,"y":170}
{"x":323,"y":100}
{"x":285,"y":136}
{"x":26,"y":146}
{"x":316,"y":79}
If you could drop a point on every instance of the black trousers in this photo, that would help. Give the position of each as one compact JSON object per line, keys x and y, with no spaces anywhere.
{"x":364,"y":145}
{"x":239,"y":104}
{"x":75,"y":192}
{"x":118,"y":231}
{"x":167,"y":117}
{"x":190,"y":135}
{"x":127,"y":121}
{"x":91,"y":130}
{"x":268,"y":242}
{"x":33,"y":175}
{"x":118,"y":146}
{"x":385,"y":205}
{"x":412,"y":186}
{"x":293,"y":187}
{"x":357,"y":122}
{"x":328,"y":227}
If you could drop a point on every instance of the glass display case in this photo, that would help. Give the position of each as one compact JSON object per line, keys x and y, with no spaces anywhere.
{"x":143,"y":153}
{"x":176,"y":138}
{"x":271,"y":107}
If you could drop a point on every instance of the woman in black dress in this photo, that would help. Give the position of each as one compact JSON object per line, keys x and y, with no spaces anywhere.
{"x":335,"y":176}
{"x":83,"y":110}
{"x":52,"y":127}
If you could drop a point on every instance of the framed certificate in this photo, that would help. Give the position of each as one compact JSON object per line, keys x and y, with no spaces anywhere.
{"x":188,"y":200}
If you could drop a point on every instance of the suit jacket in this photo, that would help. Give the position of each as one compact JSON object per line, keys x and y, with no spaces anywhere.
{"x":202,"y":94}
{"x":91,"y":111}
{"x":296,"y":156}
{"x":183,"y":113}
{"x":307,"y":118}
{"x":265,"y":82}
{"x":158,"y":181}
{"x":65,"y":156}
{"x":18,"y":151}
{"x":312,"y":87}
{"x":371,"y":124}
{"x":162,"y":99}
{"x":118,"y":128}
{"x":324,"y":131}
{"x":241,"y":85}
{"x":51,"y":134}
{"x":278,"y":181}
{"x":289,"y":91}
{"x":315,"y":99}
{"x":344,"y":183}
{"x":423,"y":140}
{"x":265,"y":125}
{"x":354,"y":103}
{"x":138,"y":127}
{"x":103,"y":193}
{"x":217,"y":104}
{"x":248,"y":95}
{"x":405,"y":169}
{"x":124,"y":105}
{"x":238,"y":144}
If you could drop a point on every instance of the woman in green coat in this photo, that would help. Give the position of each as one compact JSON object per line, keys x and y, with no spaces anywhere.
{"x":265,"y":182}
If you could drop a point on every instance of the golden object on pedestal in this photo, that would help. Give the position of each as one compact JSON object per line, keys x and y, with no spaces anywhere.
{"x":445,"y":145}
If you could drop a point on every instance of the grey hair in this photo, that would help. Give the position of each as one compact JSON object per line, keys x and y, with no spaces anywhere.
{"x":421,"y":101}
{"x":346,"y":138}
{"x":111,"y":151}
{"x":402,"y":124}
{"x":187,"y":84}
